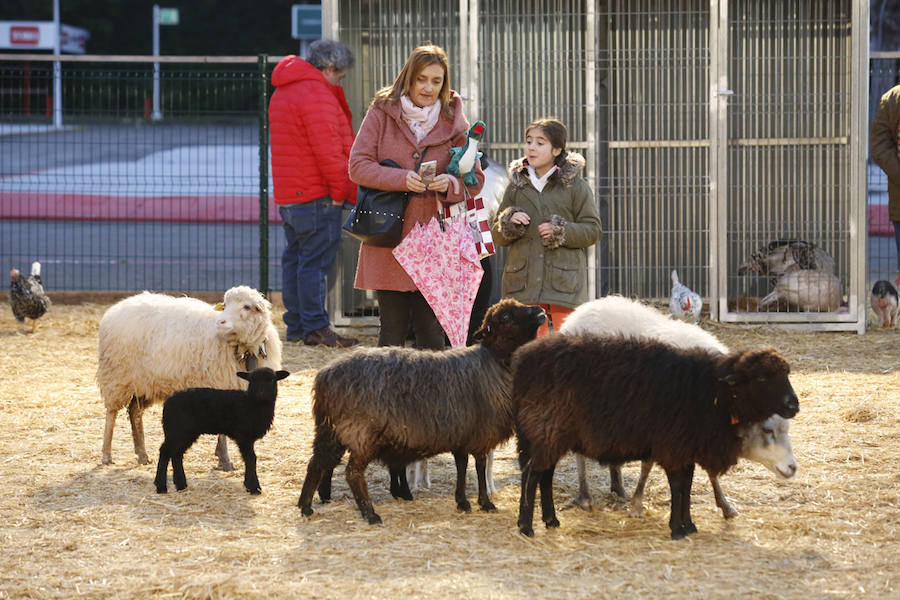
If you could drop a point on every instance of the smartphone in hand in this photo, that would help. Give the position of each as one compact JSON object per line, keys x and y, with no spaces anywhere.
{"x":427,"y":171}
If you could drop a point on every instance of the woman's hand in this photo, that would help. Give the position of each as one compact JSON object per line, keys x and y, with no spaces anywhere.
{"x":440,"y":183}
{"x":414,"y":182}
{"x":520,"y":218}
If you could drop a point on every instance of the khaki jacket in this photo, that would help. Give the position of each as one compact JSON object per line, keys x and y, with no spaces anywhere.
{"x":556,"y":273}
{"x":883,"y":146}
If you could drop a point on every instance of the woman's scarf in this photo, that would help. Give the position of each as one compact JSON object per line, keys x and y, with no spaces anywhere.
{"x":420,"y":120}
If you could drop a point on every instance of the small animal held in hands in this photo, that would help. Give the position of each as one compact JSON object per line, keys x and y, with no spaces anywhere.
{"x":26,"y":295}
{"x":244,"y":416}
{"x":884,"y":303}
{"x":462,"y":158}
{"x":684,"y":303}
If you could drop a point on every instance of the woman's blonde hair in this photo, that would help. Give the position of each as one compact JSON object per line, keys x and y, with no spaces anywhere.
{"x":420,"y":58}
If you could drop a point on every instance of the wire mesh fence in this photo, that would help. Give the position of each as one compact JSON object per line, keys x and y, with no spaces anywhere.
{"x":119,"y":197}
{"x":122,"y":198}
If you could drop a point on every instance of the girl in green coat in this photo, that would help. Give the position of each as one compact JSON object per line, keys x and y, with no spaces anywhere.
{"x":547,"y":218}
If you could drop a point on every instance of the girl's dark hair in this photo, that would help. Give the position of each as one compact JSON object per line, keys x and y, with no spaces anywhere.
{"x":420,"y":58}
{"x":555,"y":133}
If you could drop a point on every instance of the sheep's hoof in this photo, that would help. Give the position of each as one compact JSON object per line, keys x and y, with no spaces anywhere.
{"x":306,"y":511}
{"x":180,"y":487}
{"x":141,"y":459}
{"x":374,"y":519}
{"x":728,"y":512}
{"x":678,"y":534}
{"x":488,"y":507}
{"x":690,"y":528}
{"x":464,"y":506}
{"x":106,"y":460}
{"x":161,"y":490}
{"x":255,"y":491}
{"x":526,"y":530}
{"x":225,"y":465}
{"x":552,"y":523}
{"x":583,"y":502}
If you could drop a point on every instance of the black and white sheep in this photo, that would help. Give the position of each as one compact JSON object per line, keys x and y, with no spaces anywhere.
{"x":399,"y":405}
{"x":152,"y":345}
{"x":767,"y":442}
{"x":243,"y":415}
{"x":615,"y":400}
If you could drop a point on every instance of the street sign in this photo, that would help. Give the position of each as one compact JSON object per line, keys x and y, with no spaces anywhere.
{"x":168,"y":16}
{"x":306,"y":21}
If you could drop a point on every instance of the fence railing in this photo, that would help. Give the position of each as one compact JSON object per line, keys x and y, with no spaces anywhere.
{"x":117,"y":198}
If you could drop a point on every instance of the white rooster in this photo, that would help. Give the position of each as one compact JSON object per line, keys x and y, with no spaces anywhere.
{"x":684,"y":303}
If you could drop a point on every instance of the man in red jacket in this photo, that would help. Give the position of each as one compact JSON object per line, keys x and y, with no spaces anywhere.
{"x":311,"y":133}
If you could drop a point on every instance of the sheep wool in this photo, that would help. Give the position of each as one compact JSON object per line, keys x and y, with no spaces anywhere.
{"x":151,"y":345}
{"x":399,"y":405}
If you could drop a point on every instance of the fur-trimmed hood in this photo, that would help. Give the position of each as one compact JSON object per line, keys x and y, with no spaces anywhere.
{"x":571,"y":168}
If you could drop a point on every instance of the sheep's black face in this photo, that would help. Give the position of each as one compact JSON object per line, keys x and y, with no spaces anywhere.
{"x":510,"y":324}
{"x":758,"y":381}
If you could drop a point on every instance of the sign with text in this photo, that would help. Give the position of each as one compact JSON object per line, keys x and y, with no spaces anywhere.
{"x":306,"y":21}
{"x":41,"y":35}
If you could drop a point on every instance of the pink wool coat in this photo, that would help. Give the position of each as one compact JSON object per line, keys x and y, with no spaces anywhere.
{"x":383,"y":134}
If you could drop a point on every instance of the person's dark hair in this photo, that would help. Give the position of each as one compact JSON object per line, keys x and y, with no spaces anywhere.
{"x":555,"y":132}
{"x":329,"y":53}
{"x":420,"y":58}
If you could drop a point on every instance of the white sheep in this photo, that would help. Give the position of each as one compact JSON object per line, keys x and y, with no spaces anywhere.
{"x":151,"y":345}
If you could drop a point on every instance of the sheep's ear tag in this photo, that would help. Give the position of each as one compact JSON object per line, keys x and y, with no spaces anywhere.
{"x":734,"y":420}
{"x":219,"y":306}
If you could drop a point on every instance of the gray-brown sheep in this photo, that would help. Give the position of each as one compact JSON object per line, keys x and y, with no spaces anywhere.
{"x":615,"y":400}
{"x":398,"y":405}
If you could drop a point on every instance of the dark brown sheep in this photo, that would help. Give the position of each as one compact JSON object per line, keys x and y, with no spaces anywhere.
{"x":399,"y":405}
{"x":615,"y":399}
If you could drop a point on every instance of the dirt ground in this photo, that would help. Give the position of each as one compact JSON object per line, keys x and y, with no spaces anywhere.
{"x":73,"y":528}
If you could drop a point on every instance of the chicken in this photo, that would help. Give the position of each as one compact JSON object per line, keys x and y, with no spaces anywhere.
{"x":809,"y":290}
{"x":684,"y":302}
{"x":884,"y":303}
{"x":784,"y":256}
{"x":26,"y":295}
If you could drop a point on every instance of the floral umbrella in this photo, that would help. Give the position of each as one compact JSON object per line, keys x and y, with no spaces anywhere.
{"x":444,"y":266}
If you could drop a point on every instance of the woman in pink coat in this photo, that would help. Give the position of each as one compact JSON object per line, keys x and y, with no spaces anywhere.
{"x":418,"y":117}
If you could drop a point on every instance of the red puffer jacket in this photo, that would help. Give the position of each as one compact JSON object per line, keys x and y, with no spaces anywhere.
{"x":311,"y":134}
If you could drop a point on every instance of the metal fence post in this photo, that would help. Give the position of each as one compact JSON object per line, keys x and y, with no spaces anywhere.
{"x":263,"y":176}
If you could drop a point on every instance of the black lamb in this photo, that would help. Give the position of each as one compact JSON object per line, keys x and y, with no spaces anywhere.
{"x":616,"y":399}
{"x":244,"y":416}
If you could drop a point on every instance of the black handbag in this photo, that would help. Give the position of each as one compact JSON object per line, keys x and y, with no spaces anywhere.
{"x":377,"y":218}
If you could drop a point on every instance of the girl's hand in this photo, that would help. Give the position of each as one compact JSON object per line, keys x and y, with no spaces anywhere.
{"x":414,"y":182}
{"x":545,"y":230}
{"x":520,"y":218}
{"x":440,"y":183}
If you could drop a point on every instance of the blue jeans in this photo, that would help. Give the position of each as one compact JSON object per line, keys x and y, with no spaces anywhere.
{"x":313,"y":232}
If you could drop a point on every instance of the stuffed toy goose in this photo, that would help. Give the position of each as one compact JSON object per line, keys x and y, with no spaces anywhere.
{"x":462,"y":158}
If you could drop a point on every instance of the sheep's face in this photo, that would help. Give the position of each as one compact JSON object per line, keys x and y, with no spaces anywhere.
{"x":769,"y":444}
{"x":244,"y":312}
{"x":510,"y":324}
{"x":263,"y":381}
{"x":758,"y":384}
